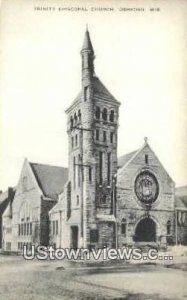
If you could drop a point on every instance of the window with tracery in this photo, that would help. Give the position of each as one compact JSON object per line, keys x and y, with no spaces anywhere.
{"x":25,"y":220}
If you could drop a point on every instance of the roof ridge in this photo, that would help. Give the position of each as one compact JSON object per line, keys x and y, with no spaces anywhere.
{"x":131,"y":152}
{"x":181,"y":186}
{"x":48,"y":165}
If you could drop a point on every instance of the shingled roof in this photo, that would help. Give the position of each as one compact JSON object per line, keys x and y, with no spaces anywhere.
{"x":181,"y":202}
{"x":5,"y":198}
{"x":181,"y":190}
{"x":181,"y":197}
{"x":122,"y":160}
{"x":99,"y":91}
{"x":87,"y":44}
{"x":51,"y":179}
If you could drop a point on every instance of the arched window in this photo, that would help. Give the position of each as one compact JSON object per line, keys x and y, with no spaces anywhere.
{"x":97,"y":112}
{"x":76,"y":140}
{"x":100,"y":167}
{"x":86,"y":93}
{"x":24,"y":183}
{"x":71,"y":121}
{"x":74,"y":171}
{"x":75,"y":118}
{"x":79,"y":170}
{"x":72,"y":142}
{"x":25,"y":212}
{"x":77,"y":200}
{"x":97,"y":134}
{"x":112,"y":116}
{"x":79,"y":116}
{"x":103,"y":199}
{"x":104,"y":114}
{"x":168,"y":227}
{"x":124,"y":227}
{"x":90,"y":174}
{"x":104,"y":136}
{"x":69,"y":200}
{"x":112,"y":137}
{"x":183,"y":217}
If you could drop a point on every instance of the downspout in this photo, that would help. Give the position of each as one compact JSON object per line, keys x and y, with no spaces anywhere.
{"x":176,"y":228}
{"x":60,"y":228}
{"x":115,"y":209}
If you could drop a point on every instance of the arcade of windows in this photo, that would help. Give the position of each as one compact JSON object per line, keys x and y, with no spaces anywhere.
{"x":75,"y":119}
{"x":54,"y":227}
{"x":104,"y":114}
{"x":74,"y":141}
{"x":97,"y":136}
{"x":27,"y":244}
{"x":25,"y":228}
{"x":78,"y":172}
{"x":25,"y":221}
{"x":103,"y":199}
{"x":101,"y":154}
{"x":181,"y":218}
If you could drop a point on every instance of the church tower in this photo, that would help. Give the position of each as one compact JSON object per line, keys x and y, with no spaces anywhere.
{"x":92,"y":134}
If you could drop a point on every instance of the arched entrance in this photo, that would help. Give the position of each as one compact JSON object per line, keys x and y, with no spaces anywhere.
{"x":145,"y":231}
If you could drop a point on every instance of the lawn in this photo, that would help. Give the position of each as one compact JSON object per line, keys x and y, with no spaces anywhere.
{"x":41,"y":280}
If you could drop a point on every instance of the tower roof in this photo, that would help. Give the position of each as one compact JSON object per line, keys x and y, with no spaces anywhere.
{"x":99,"y":92}
{"x":87,"y":44}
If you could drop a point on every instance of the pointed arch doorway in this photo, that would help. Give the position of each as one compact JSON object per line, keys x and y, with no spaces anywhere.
{"x":145,"y":231}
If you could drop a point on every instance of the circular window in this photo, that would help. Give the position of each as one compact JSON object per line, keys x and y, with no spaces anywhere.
{"x":146,"y":187}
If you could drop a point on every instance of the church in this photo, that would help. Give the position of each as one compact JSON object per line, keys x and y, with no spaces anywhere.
{"x":100,"y":200}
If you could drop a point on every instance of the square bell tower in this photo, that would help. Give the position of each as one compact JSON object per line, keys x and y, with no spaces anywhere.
{"x":92,"y":128}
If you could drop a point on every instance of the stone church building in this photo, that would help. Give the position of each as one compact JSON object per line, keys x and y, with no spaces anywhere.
{"x":109,"y":201}
{"x":100,"y":200}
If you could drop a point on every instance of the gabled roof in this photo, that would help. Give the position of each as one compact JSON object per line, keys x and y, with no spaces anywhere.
{"x":4,"y":204}
{"x":181,"y":197}
{"x":99,"y":91}
{"x":5,"y":198}
{"x":126,"y":159}
{"x":181,"y":191}
{"x":122,"y":160}
{"x":181,"y":202}
{"x":51,"y":179}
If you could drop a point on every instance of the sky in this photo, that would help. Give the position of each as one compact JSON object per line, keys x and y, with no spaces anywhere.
{"x":140,"y":58}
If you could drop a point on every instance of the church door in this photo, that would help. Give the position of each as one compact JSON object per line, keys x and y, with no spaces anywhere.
{"x":145,"y":231}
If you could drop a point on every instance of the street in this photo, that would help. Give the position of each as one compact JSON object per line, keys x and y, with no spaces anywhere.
{"x":39,"y":280}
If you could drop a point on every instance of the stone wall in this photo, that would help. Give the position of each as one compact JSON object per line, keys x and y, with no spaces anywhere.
{"x":30,"y":194}
{"x":3,"y":206}
{"x":7,"y":229}
{"x":181,"y":227}
{"x":130,"y":208}
{"x":46,"y":206}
